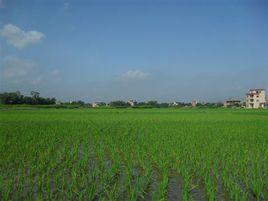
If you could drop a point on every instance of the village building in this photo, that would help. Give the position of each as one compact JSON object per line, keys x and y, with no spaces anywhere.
{"x":58,"y":102}
{"x":174,"y":104}
{"x":132,"y":102}
{"x":95,"y":105}
{"x":194,"y":103}
{"x":98,"y":104}
{"x":232,"y":103}
{"x":256,"y":98}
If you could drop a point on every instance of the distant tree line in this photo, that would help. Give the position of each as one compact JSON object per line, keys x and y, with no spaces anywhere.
{"x":35,"y":99}
{"x":17,"y":98}
{"x":149,"y":104}
{"x":119,"y":104}
{"x":152,"y":104}
{"x":209,"y":105}
{"x":155,"y":104}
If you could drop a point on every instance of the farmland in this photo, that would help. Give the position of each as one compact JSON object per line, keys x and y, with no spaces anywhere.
{"x":134,"y":154}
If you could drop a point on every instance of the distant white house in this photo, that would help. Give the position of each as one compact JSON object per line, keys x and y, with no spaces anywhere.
{"x":132,"y":102}
{"x":232,"y":103}
{"x":95,"y":105}
{"x":98,"y":104}
{"x":256,"y":98}
{"x":58,"y":102}
{"x":174,"y":104}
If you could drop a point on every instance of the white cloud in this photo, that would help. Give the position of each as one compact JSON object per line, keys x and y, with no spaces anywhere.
{"x":15,"y":68}
{"x":20,"y":38}
{"x":135,"y":75}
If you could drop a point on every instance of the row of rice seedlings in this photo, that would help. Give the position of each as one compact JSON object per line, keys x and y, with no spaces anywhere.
{"x":115,"y":155}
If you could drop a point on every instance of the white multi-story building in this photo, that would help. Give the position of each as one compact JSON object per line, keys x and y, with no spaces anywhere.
{"x":255,"y":98}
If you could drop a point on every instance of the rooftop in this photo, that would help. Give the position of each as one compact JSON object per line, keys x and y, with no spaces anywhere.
{"x":231,"y":100}
{"x":257,"y":90}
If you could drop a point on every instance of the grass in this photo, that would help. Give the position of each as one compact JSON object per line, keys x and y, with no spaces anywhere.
{"x":133,"y":154}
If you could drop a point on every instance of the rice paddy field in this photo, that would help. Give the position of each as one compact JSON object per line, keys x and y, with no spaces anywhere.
{"x":134,"y":154}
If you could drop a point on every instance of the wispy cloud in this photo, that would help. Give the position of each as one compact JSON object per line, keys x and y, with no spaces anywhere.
{"x":37,"y":80}
{"x":55,"y":72}
{"x":15,"y":68}
{"x":21,"y":72}
{"x":134,"y":75}
{"x":20,"y":38}
{"x":66,"y":6}
{"x":1,"y":3}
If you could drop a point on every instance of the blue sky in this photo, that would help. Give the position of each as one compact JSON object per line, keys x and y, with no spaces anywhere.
{"x":100,"y":50}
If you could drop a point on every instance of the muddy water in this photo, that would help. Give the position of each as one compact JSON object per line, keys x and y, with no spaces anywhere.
{"x":175,"y":187}
{"x":222,"y":194}
{"x":198,"y":194}
{"x":152,"y":187}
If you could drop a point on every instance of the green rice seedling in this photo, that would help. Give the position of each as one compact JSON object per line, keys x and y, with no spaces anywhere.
{"x":128,"y":154}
